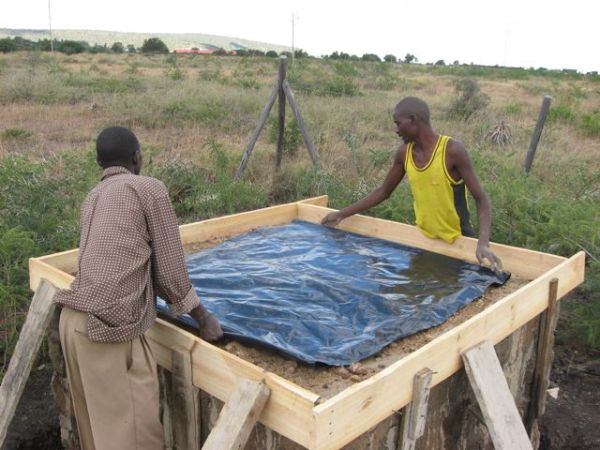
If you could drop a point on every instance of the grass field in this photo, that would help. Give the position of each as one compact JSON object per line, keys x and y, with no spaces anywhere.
{"x":194,"y":115}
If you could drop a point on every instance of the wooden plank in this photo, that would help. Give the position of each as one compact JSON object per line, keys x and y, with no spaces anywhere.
{"x":321,"y":200}
{"x":281,"y":111}
{"x":33,"y":331}
{"x":544,"y":358}
{"x":527,"y":264}
{"x":238,"y":416}
{"x":376,"y":398}
{"x":262,"y":119}
{"x":217,"y":228}
{"x":183,"y":405}
{"x":39,"y":270}
{"x":497,"y":405}
{"x":415,"y":413}
{"x":215,"y":371}
{"x":226,"y":226}
{"x":65,"y":261}
{"x":312,"y":151}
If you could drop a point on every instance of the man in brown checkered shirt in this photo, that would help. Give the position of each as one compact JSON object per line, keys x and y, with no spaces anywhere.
{"x":130,"y":250}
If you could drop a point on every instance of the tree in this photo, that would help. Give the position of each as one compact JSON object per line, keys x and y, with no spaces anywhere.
{"x":117,"y":47}
{"x":371,"y":57}
{"x":131,"y":48}
{"x":71,"y":47}
{"x":7,"y":45}
{"x":154,"y":45}
{"x":390,"y":58}
{"x":410,"y":58}
{"x":440,"y":62}
{"x":300,"y":53}
{"x":271,"y":54}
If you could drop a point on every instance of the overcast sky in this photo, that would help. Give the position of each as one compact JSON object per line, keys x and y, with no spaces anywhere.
{"x":527,"y":33}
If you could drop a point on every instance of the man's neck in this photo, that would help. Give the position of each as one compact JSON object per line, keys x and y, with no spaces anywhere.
{"x":426,"y":141}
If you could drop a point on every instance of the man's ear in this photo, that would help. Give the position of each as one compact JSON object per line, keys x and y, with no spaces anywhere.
{"x":135,"y":158}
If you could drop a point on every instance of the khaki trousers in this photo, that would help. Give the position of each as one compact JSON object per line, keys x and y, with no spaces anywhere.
{"x":114,"y":388}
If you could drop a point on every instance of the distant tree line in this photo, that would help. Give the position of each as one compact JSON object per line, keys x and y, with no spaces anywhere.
{"x":66,"y":46}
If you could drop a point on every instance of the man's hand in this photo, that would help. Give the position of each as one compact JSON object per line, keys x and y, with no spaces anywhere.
{"x":332,"y":219}
{"x":483,"y":252}
{"x":208,"y":325}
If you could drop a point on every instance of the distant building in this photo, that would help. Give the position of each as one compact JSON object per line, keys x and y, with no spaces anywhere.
{"x":194,"y":50}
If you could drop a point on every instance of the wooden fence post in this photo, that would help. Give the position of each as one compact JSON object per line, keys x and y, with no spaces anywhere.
{"x":281,"y":114}
{"x":537,"y":132}
{"x":314,"y":156}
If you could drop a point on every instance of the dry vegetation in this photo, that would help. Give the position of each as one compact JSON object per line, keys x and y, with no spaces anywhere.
{"x":194,"y":114}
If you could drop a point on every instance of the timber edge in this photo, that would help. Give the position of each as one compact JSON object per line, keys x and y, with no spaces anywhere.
{"x":330,"y":423}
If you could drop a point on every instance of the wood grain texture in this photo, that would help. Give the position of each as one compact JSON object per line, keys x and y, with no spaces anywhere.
{"x":495,"y":400}
{"x":38,"y":317}
{"x":238,"y":416}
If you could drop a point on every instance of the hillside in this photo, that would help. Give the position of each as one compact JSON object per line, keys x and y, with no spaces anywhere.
{"x":173,"y":40}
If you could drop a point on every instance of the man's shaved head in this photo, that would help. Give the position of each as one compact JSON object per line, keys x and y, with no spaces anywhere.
{"x":413,"y":106}
{"x":115,"y":146}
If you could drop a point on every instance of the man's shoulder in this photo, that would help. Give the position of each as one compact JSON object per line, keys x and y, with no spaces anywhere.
{"x":146,"y":185}
{"x":455,"y":148}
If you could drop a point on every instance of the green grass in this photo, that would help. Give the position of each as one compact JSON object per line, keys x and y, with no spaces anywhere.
{"x":14,"y":133}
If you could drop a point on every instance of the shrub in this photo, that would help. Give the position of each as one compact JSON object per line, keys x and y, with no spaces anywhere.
{"x":468,"y":99}
{"x":590,"y":124}
{"x":154,"y":45}
{"x":117,"y":47}
{"x":513,"y":108}
{"x":71,"y":47}
{"x":291,"y":137}
{"x":14,"y":133}
{"x":370,"y":57}
{"x":390,"y":58}
{"x":7,"y":45}
{"x":560,"y":113}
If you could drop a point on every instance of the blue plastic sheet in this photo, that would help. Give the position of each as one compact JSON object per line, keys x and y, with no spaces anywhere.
{"x":323,"y":295}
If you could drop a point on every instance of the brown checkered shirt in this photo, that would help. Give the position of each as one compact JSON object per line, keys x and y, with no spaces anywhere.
{"x":130,"y":249}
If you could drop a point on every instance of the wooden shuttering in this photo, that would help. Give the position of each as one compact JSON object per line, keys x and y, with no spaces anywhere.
{"x":295,"y":412}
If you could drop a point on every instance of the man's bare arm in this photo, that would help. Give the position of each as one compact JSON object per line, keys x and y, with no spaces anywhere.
{"x":461,"y":163}
{"x":392,"y":179}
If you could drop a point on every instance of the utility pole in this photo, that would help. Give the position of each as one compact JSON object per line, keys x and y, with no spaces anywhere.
{"x":50,"y":28}
{"x":294,"y":18}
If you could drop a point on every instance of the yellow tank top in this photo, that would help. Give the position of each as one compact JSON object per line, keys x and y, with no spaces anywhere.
{"x":440,"y":202}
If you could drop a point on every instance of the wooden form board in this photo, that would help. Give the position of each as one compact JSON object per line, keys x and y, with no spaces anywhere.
{"x":330,"y":423}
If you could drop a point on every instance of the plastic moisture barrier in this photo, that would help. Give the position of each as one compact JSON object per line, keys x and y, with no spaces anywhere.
{"x":323,"y":295}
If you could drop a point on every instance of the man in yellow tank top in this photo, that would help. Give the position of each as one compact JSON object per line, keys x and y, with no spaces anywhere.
{"x":438,"y":169}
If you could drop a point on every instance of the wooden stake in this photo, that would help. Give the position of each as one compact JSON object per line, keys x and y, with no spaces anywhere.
{"x":238,"y":416}
{"x":33,"y":331}
{"x":281,"y":115}
{"x":548,"y":320}
{"x":415,"y":413}
{"x":183,"y":406}
{"x":305,"y":136}
{"x":537,"y":132}
{"x":495,"y":400}
{"x":261,"y":123}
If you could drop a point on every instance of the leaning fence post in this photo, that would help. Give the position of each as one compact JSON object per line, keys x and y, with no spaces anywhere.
{"x":537,"y":132}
